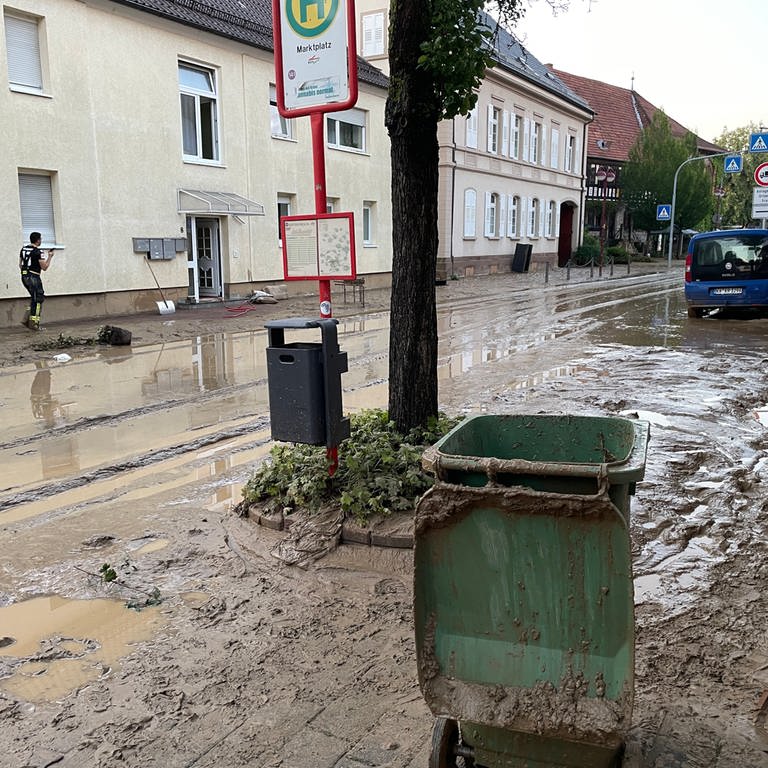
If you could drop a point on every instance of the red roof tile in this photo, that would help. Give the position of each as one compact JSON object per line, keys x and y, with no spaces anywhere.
{"x":620,"y":115}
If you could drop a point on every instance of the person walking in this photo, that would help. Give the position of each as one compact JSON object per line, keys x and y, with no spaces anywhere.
{"x":32,"y":262}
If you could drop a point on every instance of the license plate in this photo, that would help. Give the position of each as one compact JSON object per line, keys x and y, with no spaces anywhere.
{"x":727,"y":291}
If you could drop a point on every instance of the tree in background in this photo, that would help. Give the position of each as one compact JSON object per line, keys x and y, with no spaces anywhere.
{"x":648,"y":178}
{"x":736,"y":206}
{"x":438,"y":55}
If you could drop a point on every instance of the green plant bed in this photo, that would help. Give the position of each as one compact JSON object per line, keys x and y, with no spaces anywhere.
{"x":379,"y":470}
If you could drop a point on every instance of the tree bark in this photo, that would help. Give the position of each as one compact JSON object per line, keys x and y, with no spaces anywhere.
{"x":411,"y":118}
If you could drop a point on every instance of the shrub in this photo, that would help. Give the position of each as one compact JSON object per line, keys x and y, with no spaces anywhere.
{"x":379,"y":469}
{"x":588,"y":250}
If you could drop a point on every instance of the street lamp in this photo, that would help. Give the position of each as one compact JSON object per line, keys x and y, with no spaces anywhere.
{"x":605,"y":176}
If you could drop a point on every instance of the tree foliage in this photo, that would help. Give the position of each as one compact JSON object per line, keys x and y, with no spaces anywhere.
{"x":736,"y":206}
{"x":438,"y":55}
{"x":648,"y":178}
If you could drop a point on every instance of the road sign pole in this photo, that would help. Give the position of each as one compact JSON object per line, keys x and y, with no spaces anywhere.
{"x":674,"y":198}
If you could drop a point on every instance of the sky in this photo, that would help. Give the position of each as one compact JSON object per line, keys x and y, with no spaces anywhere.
{"x":704,"y":62}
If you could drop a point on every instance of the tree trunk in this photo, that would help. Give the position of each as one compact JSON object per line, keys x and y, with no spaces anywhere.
{"x":411,"y":118}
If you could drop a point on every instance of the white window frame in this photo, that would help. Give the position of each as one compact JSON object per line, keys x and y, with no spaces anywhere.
{"x":285,"y":204}
{"x":470,"y":213}
{"x":513,"y":216}
{"x":205,"y":104}
{"x":472,"y":127}
{"x":279,"y":126}
{"x":535,"y":145}
{"x":369,"y":223}
{"x":570,"y":146}
{"x":549,"y":228}
{"x":534,"y":207}
{"x":491,"y":228}
{"x":346,"y":129}
{"x":494,"y":115}
{"x":24,"y":53}
{"x":373,"y":39}
{"x":514,"y":147}
{"x":36,"y":204}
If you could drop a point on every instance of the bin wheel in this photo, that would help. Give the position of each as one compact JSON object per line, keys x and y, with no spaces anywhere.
{"x":445,"y":739}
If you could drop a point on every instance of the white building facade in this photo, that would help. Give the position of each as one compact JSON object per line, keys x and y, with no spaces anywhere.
{"x":143,"y":136}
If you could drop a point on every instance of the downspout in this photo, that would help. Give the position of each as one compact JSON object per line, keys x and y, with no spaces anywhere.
{"x":453,"y":191}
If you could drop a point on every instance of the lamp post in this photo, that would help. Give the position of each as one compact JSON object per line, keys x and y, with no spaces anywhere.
{"x":605,"y":176}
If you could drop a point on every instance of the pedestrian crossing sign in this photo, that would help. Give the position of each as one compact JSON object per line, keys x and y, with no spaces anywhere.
{"x":733,"y":164}
{"x":758,"y":142}
{"x":663,"y":212}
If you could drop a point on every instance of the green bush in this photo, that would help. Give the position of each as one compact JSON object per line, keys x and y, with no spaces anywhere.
{"x":379,"y":469}
{"x":618,"y":253}
{"x":588,"y":250}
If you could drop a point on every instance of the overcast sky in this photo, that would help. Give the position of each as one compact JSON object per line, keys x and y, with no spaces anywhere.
{"x":704,"y":62}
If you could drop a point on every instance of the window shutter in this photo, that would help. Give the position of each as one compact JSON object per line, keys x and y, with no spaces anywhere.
{"x":23,"y":41}
{"x":505,"y":133}
{"x":577,"y":157}
{"x":544,"y":146}
{"x":511,"y":216}
{"x":501,"y":215}
{"x":487,"y":228}
{"x":470,"y":207}
{"x":472,"y":128}
{"x":554,"y":154}
{"x":542,"y":216}
{"x":526,"y":139}
{"x":489,"y":145}
{"x":555,"y":219}
{"x":373,"y":34}
{"x":37,"y":206}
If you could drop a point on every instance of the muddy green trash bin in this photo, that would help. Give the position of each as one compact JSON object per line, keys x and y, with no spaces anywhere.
{"x":523,"y":598}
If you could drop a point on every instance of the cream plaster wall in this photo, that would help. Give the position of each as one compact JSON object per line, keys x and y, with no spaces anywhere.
{"x":108,"y":129}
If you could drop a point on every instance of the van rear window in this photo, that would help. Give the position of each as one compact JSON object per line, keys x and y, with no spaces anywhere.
{"x":730,"y":256}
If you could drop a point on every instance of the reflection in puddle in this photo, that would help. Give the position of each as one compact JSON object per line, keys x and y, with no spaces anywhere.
{"x":61,"y":644}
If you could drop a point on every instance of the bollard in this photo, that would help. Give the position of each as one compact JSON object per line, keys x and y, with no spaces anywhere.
{"x":629,"y":259}
{"x":568,"y":270}
{"x":546,"y":271}
{"x":592,"y":267}
{"x":611,"y":272}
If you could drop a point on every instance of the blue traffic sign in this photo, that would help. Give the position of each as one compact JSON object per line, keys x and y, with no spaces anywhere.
{"x":733,"y":164}
{"x":663,"y":212}
{"x":758,"y":142}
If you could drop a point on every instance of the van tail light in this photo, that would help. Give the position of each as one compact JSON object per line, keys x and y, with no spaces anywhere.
{"x":688,"y":260}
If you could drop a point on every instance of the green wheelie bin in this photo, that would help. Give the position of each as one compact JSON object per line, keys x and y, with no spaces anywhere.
{"x":523,"y":595}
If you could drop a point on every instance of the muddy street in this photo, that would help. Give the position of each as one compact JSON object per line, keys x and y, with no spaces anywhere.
{"x":135,"y":458}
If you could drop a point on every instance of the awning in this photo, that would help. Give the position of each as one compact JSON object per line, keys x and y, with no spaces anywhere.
{"x":219,"y":203}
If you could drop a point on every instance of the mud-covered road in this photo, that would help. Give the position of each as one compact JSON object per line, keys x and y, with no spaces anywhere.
{"x":134,"y":458}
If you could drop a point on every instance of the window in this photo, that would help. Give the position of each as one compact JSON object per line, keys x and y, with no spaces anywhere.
{"x":549,"y":229}
{"x":470,"y":212}
{"x":346,"y":130}
{"x":280,"y":126}
{"x":535,"y":142}
{"x":284,"y":204}
{"x":533,"y":218}
{"x":373,"y":34}
{"x":36,"y":197}
{"x":369,"y":222}
{"x":493,"y":128}
{"x":513,"y":217}
{"x":554,"y":155}
{"x":514,"y":149}
{"x":472,"y":128}
{"x":331,"y":204}
{"x":22,"y":40}
{"x":570,"y":147}
{"x":199,"y":112}
{"x":491,"y":214}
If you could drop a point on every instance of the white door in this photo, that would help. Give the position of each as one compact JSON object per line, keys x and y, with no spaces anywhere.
{"x":205,"y":262}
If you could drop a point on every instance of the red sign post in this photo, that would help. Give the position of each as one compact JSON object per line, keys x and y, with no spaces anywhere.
{"x":316,"y":72}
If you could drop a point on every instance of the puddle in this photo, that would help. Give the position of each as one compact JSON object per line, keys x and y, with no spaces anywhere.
{"x":761,"y":414}
{"x":61,"y":644}
{"x":195,"y":599}
{"x":152,"y":546}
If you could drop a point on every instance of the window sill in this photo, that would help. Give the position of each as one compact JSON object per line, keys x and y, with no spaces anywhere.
{"x":29,"y":91}
{"x":202,"y":161}
{"x":469,"y":237}
{"x":280,"y":137}
{"x":351,"y":150}
{"x":370,"y":245}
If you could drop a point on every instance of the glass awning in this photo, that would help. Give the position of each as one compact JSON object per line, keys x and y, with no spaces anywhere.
{"x":219,"y":203}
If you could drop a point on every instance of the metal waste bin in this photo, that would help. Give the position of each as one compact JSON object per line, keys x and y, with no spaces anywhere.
{"x":523,"y":595}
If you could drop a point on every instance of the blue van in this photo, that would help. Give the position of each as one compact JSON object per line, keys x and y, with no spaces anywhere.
{"x":727,"y":269}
